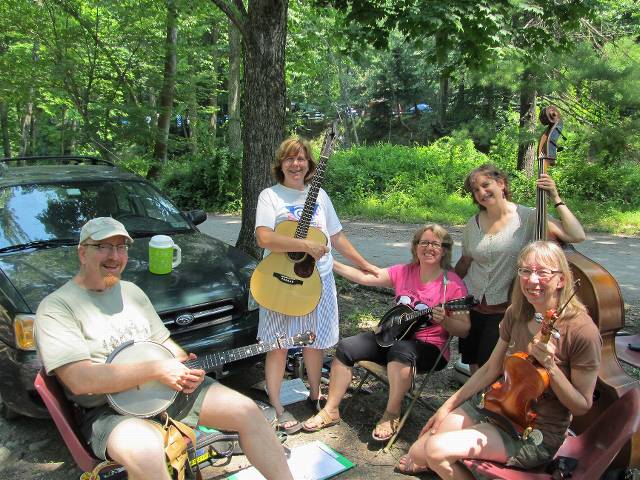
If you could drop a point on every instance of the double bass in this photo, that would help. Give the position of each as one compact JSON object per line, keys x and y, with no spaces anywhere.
{"x":600,"y":293}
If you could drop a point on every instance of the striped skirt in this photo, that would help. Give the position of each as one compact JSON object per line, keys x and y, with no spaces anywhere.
{"x":323,"y":321}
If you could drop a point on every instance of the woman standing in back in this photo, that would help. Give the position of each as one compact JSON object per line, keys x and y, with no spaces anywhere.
{"x":293,"y":169}
{"x":491,"y":242}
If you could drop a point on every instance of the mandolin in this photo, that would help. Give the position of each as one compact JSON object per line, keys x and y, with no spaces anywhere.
{"x":402,"y":321}
{"x":151,"y":398}
{"x":289,"y":282}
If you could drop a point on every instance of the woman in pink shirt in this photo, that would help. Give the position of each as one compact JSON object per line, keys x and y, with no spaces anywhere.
{"x":426,"y":281}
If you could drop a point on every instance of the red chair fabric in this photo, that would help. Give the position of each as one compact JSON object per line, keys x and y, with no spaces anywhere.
{"x":62,"y":413}
{"x":595,"y":448}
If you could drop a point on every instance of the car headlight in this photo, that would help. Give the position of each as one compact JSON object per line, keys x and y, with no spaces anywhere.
{"x":251,"y":303}
{"x":23,"y":329}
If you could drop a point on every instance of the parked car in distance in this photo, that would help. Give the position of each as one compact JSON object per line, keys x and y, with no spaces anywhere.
{"x":44,"y":201}
{"x":422,"y":108}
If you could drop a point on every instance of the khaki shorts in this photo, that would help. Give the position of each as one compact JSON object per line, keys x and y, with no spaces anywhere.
{"x":96,"y":424}
{"x":520,"y":454}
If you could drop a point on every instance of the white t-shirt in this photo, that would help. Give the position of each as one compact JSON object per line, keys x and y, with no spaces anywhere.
{"x":279,"y":203}
{"x":74,"y":324}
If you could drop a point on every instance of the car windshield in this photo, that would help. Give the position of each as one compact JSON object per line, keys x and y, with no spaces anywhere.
{"x":57,"y":211}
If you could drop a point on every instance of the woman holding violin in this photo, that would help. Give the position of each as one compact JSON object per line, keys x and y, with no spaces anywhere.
{"x":461,"y":429}
{"x":491,"y":241}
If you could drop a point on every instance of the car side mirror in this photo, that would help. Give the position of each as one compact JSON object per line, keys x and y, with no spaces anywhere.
{"x":196,"y":216}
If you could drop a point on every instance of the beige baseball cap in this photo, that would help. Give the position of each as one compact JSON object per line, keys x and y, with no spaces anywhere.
{"x":103,"y":227}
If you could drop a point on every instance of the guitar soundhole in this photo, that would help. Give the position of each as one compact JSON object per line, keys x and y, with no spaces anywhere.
{"x":304,"y":269}
{"x":296,"y":256}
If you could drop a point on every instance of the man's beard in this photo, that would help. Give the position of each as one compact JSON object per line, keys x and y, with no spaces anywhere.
{"x":110,"y":280}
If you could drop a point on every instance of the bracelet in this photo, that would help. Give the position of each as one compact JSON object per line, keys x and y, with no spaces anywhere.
{"x":556,"y":205}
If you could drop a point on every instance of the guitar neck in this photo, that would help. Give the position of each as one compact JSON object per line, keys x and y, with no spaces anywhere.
{"x":217,"y":359}
{"x":307,"y":211}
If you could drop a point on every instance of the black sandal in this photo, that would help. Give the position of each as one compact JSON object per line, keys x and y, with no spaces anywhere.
{"x":317,"y":404}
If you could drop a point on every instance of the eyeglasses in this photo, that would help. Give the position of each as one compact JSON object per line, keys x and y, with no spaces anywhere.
{"x":543,"y":273}
{"x":106,"y":248}
{"x":434,"y":245}
{"x":293,"y":159}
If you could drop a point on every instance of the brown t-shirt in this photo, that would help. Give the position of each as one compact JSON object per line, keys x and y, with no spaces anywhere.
{"x":578,"y":348}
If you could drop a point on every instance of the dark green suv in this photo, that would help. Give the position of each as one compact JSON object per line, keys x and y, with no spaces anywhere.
{"x":44,"y":201}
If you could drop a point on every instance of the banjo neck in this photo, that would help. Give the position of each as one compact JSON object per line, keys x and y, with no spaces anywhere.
{"x":212,"y":360}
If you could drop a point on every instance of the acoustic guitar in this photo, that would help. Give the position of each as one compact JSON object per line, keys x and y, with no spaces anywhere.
{"x":289,"y":282}
{"x":151,"y":398}
{"x":402,"y":321}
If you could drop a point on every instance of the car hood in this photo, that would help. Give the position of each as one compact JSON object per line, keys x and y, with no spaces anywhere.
{"x":210,"y":270}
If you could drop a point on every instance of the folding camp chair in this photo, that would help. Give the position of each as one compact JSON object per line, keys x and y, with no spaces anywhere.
{"x":380,"y":373}
{"x":209,"y":445}
{"x":594,"y":449}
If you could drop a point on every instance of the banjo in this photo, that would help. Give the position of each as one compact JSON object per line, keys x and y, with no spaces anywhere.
{"x":151,"y":398}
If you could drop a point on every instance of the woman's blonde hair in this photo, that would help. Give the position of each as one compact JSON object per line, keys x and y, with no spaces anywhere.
{"x":441,"y":233}
{"x":289,"y":148}
{"x":551,"y":255}
{"x":491,"y":171}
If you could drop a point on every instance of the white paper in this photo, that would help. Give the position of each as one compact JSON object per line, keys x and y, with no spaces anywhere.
{"x":312,"y":461}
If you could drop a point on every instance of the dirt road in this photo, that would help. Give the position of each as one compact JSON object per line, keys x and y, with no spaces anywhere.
{"x":388,"y":243}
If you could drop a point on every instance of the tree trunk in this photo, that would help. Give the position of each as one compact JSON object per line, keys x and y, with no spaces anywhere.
{"x":166,"y":94}
{"x":34,"y":133}
{"x":4,"y":126}
{"x":443,"y":99}
{"x":234,"y":125}
{"x":263,"y":106}
{"x":527,"y":145}
{"x":213,"y":98}
{"x":344,"y":93}
{"x":26,"y":126}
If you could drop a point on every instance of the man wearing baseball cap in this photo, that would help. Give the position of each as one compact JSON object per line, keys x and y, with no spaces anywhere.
{"x":82,"y":322}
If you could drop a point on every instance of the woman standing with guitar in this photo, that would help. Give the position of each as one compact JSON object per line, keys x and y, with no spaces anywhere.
{"x":490,"y":244}
{"x":293,"y":169}
{"x":461,"y":429}
{"x":425,"y":282}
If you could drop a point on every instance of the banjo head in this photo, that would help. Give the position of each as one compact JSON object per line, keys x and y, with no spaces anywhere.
{"x":150,"y":398}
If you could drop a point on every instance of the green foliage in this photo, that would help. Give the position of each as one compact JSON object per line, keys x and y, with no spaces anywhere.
{"x":208,"y":181}
{"x":406,"y":183}
{"x":419,"y":184}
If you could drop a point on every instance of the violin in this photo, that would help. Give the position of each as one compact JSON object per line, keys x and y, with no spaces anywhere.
{"x":524,"y":381}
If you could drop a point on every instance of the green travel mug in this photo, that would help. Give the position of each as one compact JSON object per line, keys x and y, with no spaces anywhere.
{"x":164,"y":255}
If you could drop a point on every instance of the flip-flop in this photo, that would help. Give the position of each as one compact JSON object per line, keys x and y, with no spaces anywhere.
{"x":321,"y":420}
{"x":411,"y":468}
{"x":393,"y":420}
{"x":287,"y":417}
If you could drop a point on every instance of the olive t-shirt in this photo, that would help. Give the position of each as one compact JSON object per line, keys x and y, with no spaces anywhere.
{"x":578,"y":348}
{"x":74,"y":324}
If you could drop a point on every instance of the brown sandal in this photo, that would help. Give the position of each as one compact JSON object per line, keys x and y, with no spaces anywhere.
{"x":393,"y":420}
{"x":319,"y":421}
